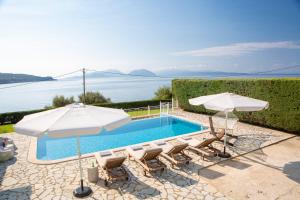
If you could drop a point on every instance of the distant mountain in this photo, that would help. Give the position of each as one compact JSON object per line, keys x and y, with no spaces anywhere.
{"x":289,"y":70}
{"x":105,"y":73}
{"x":142,"y":72}
{"x":116,"y":73}
{"x":177,"y":73}
{"x":19,"y":78}
{"x":192,"y":73}
{"x":174,"y":73}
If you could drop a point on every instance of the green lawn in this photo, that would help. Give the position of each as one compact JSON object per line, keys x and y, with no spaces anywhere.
{"x":142,"y":112}
{"x":6,"y":128}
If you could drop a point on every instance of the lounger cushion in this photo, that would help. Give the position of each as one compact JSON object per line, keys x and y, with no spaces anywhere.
{"x":192,"y":142}
{"x":167,"y":147}
{"x":108,"y":159}
{"x":105,"y":153}
{"x":108,"y":162}
{"x":136,"y":152}
{"x":159,"y":143}
{"x":136,"y":148}
{"x":151,"y":153}
{"x":140,"y":153}
{"x":187,"y":138}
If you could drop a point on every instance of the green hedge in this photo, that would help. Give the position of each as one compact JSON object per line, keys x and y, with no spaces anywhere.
{"x":14,"y":117}
{"x":282,"y":94}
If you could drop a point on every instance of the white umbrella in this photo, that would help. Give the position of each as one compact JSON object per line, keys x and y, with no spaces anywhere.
{"x":219,"y":120}
{"x":72,"y":120}
{"x":227,"y":102}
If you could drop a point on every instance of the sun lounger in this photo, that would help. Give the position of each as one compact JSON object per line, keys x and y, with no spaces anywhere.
{"x":174,"y":152}
{"x":203,"y":147}
{"x":219,"y":134}
{"x":112,"y":165}
{"x":147,"y":158}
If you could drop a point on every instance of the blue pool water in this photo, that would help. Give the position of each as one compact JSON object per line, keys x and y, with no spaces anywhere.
{"x":137,"y":131}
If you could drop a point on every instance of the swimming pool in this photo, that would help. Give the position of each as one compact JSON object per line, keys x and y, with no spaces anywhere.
{"x":137,"y":131}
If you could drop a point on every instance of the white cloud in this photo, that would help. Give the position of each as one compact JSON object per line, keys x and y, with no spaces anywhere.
{"x":238,"y":49}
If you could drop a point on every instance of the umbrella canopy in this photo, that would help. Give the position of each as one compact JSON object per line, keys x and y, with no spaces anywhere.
{"x":229,"y":102}
{"x":72,"y":120}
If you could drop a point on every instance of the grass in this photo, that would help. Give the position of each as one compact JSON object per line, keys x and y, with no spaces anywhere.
{"x":142,"y":112}
{"x":9,"y":127}
{"x":6,"y":128}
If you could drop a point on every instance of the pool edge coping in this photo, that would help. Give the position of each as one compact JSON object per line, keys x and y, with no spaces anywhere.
{"x":32,"y":152}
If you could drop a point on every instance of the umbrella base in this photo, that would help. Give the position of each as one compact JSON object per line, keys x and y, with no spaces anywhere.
{"x":78,"y":192}
{"x":224,"y":155}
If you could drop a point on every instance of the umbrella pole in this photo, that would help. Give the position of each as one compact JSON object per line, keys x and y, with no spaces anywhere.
{"x":225,"y":132}
{"x":225,"y":154}
{"x":81,"y":191}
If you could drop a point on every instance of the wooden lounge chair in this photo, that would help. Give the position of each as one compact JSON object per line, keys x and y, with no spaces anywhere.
{"x":218,"y":134}
{"x":174,"y":152}
{"x":112,"y":165}
{"x":147,"y":158}
{"x":204,"y":147}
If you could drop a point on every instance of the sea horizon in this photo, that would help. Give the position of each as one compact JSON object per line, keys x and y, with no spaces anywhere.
{"x":37,"y":95}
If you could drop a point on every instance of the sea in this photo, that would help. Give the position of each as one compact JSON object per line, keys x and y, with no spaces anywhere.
{"x":37,"y":95}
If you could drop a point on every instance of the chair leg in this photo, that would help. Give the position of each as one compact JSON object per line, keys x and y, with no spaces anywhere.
{"x":162,"y":170}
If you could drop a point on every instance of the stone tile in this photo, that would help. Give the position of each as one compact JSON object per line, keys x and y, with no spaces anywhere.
{"x":18,"y":177}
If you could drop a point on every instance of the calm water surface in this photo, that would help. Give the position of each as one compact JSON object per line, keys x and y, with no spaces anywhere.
{"x":38,"y":95}
{"x":137,"y":131}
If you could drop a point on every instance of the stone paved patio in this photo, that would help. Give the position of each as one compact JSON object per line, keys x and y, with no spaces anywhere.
{"x":20,"y":179}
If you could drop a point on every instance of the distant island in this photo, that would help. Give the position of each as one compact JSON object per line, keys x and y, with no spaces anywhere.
{"x":180,"y":73}
{"x":142,"y":72}
{"x":115,"y":73}
{"x":6,"y":78}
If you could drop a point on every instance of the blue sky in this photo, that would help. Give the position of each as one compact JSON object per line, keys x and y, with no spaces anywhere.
{"x":54,"y":37}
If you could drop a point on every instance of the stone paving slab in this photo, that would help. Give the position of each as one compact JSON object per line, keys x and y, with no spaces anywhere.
{"x":20,"y":179}
{"x":269,"y":173}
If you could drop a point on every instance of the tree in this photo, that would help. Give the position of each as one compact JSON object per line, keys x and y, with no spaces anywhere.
{"x":163,"y":93}
{"x":59,"y":101}
{"x":94,"y":98}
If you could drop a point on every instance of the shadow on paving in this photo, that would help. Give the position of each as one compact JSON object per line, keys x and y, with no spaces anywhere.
{"x":235,"y":164}
{"x":3,"y":167}
{"x":174,"y":178}
{"x":23,"y":193}
{"x":210,"y":174}
{"x":133,"y":186}
{"x":247,"y":143}
{"x":292,"y":171}
{"x":264,"y":163}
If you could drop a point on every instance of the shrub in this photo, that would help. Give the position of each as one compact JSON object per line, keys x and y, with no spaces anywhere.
{"x":93,"y":98}
{"x":282,"y":95}
{"x":163,"y":93}
{"x":59,"y":101}
{"x":14,"y":117}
